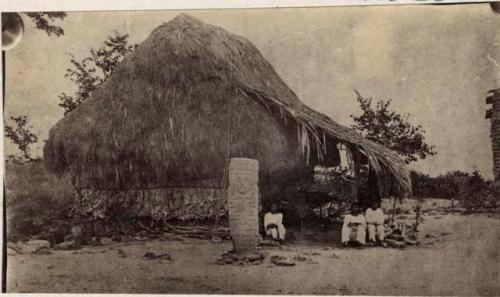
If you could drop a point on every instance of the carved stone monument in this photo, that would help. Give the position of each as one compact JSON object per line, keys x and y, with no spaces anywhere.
{"x":494,"y":115}
{"x":243,"y":204}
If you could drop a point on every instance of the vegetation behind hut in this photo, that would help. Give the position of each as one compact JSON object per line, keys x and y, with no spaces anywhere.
{"x":38,"y":202}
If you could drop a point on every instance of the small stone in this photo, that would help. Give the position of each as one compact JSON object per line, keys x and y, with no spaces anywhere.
{"x":106,"y":240}
{"x":396,"y":244}
{"x":43,"y":251}
{"x":266,"y":242}
{"x":412,"y":242}
{"x":281,"y":261}
{"x":67,"y":245}
{"x":255,"y":257}
{"x":153,"y":256}
{"x":300,"y":258}
{"x":34,"y":245}
{"x":232,"y":256}
{"x":121,"y":253}
{"x":216,"y":239}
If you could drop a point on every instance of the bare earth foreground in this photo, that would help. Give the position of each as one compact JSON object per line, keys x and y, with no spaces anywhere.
{"x":462,"y":259}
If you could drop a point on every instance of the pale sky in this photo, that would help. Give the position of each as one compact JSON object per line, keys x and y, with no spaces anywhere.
{"x":432,"y":61}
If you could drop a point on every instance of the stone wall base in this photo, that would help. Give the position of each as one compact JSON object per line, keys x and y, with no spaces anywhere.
{"x":167,"y":203}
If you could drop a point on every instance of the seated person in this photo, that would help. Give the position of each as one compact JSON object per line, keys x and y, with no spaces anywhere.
{"x":354,"y":228}
{"x":374,"y":217}
{"x":273,"y":224}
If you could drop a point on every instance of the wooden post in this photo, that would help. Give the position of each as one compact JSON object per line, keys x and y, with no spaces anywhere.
{"x":243,"y":204}
{"x":393,"y":218}
{"x":418,"y":212}
{"x":357,"y":167}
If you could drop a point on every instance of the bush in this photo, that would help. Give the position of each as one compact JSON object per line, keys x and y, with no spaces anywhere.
{"x":476,"y":192}
{"x":36,"y":200}
{"x":445,"y":186}
{"x":471,"y":189}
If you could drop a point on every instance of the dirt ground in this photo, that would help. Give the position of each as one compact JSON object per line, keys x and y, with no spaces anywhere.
{"x":459,"y":255}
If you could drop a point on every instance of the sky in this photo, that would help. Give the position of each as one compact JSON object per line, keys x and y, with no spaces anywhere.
{"x":436,"y":63}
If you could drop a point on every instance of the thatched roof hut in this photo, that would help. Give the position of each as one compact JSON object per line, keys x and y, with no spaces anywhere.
{"x":190,"y":97}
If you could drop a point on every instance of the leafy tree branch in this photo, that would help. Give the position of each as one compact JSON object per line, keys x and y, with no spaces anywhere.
{"x":379,"y":123}
{"x":89,"y":72}
{"x":44,"y":21}
{"x":20,"y":133}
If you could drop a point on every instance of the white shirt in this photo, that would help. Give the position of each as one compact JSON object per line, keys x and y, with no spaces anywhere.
{"x":273,"y":218}
{"x":375,"y":216}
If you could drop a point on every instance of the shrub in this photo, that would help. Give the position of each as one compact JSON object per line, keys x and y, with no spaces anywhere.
{"x":472,"y":190}
{"x":476,"y":192}
{"x":36,"y":200}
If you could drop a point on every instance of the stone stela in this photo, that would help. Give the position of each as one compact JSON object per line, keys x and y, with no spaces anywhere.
{"x":243,"y":204}
{"x":493,"y":114}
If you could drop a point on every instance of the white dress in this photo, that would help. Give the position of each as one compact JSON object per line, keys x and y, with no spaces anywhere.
{"x":276,"y":219}
{"x":355,"y":226}
{"x":375,"y":222}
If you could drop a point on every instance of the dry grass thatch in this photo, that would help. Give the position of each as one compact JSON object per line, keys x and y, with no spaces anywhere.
{"x":187,"y":99}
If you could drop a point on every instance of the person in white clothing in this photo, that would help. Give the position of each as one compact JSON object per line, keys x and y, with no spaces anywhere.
{"x":273,"y":224}
{"x":375,"y":218}
{"x":354,"y":227}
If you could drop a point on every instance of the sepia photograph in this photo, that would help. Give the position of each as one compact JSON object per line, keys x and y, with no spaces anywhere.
{"x":347,"y":150}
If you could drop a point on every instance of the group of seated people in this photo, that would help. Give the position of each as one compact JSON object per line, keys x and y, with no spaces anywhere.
{"x":356,"y":224}
{"x":354,"y":228}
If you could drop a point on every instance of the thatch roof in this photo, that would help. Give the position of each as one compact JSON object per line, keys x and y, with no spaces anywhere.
{"x":188,"y":98}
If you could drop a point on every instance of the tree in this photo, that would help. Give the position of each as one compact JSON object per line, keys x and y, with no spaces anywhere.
{"x":393,"y":130}
{"x":422,"y":184}
{"x":476,"y":192}
{"x":20,"y":134}
{"x":446,"y":186}
{"x":42,"y":21}
{"x":93,"y":70}
{"x":449,"y":185}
